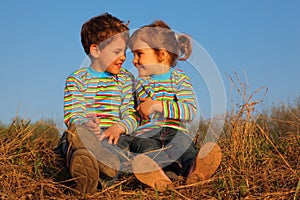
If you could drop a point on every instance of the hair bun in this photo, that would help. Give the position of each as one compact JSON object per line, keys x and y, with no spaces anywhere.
{"x":160,"y":24}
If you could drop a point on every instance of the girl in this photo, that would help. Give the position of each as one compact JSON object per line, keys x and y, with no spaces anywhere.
{"x":166,"y":102}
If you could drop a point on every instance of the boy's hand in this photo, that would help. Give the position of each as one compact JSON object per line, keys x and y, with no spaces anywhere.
{"x":93,"y":125}
{"x":112,"y":133}
{"x":148,"y":107}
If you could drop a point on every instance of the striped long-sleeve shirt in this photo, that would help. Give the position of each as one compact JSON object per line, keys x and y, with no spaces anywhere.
{"x":174,"y":90}
{"x":89,"y":93}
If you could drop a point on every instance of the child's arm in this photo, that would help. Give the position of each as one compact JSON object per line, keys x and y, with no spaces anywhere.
{"x":148,"y":106}
{"x":181,"y":107}
{"x":74,"y":102}
{"x":112,"y":133}
{"x":75,"y":106}
{"x":128,"y":116}
{"x":93,"y":125}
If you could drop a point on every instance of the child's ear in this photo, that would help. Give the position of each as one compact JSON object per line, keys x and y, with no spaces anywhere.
{"x":94,"y":50}
{"x":162,"y":56}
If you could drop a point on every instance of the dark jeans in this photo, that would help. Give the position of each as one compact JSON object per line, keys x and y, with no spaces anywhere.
{"x":172,"y":149}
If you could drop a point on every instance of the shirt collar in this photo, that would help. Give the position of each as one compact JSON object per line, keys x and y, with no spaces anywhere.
{"x":98,"y":74}
{"x":160,"y":77}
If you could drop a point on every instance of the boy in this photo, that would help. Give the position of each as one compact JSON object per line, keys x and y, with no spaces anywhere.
{"x":98,"y":104}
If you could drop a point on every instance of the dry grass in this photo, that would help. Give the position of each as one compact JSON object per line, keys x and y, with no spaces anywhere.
{"x":260,"y":161}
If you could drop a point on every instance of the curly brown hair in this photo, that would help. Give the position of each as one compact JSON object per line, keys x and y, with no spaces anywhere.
{"x":100,"y":29}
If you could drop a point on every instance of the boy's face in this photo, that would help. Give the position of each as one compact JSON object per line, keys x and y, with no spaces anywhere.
{"x":145,"y":59}
{"x":112,"y":56}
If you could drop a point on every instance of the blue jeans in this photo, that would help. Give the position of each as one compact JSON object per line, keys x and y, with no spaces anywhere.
{"x":172,"y":149}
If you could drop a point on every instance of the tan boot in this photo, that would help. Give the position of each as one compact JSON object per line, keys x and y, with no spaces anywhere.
{"x":81,"y":137}
{"x":84,"y":168}
{"x":148,"y":172}
{"x":206,"y":163}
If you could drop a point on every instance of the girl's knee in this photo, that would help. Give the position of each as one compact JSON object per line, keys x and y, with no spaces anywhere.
{"x":143,"y":145}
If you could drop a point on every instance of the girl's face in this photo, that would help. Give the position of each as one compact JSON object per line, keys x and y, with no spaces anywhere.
{"x":146,"y":60}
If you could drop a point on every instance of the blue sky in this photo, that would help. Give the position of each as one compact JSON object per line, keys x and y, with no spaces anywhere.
{"x":40,"y":46}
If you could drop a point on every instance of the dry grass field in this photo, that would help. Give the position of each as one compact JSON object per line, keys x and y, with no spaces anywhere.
{"x":260,"y":161}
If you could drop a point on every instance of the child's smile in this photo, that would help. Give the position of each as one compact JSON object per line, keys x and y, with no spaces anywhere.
{"x":111,"y":57}
{"x":146,"y":60}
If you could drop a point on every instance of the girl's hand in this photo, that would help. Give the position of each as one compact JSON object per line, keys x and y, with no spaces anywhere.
{"x":148,"y":107}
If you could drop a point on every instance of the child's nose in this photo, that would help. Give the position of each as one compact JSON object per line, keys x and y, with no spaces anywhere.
{"x":135,"y":62}
{"x":123,"y":57}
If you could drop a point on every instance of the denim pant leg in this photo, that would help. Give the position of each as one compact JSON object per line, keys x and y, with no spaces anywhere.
{"x":121,"y":149}
{"x":143,"y":145}
{"x":182,"y":149}
{"x":151,"y":146}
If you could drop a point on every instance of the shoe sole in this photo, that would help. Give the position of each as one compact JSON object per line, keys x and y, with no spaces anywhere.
{"x":207,"y":162}
{"x":84,"y":168}
{"x":148,"y":172}
{"x":82,"y":137}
